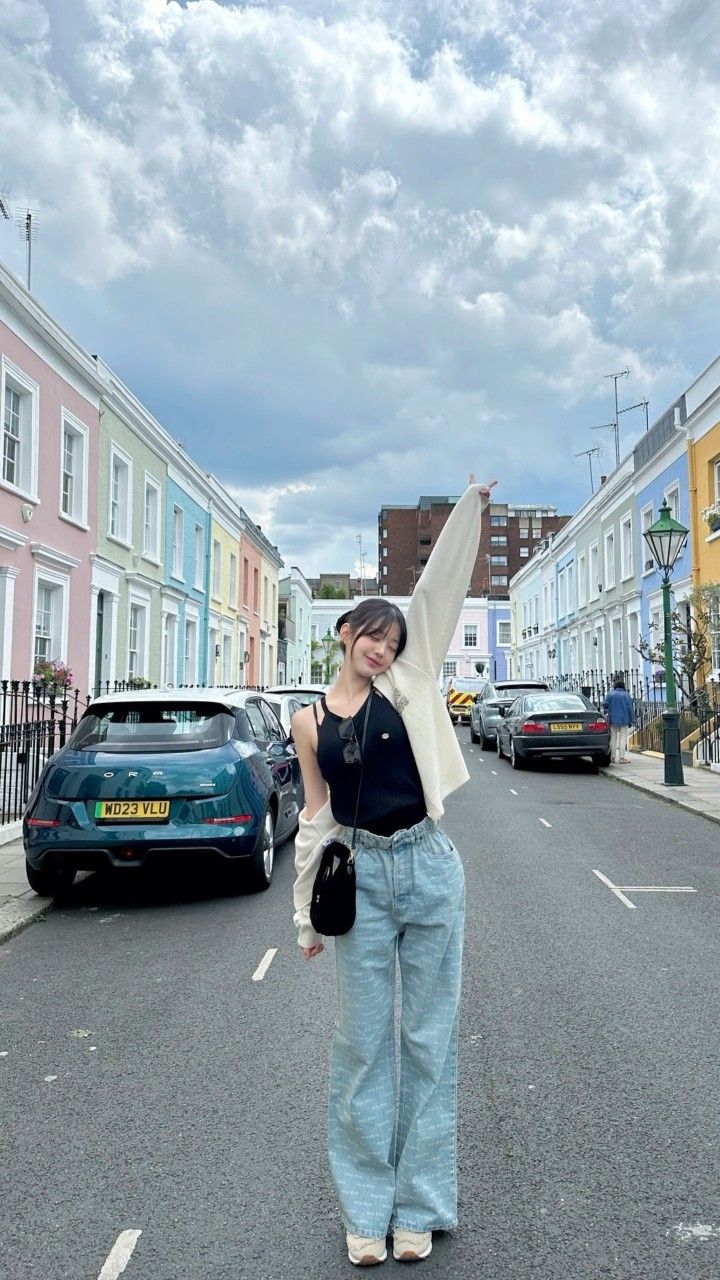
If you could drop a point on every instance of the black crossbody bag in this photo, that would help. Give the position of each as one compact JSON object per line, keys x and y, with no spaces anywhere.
{"x":332,"y":908}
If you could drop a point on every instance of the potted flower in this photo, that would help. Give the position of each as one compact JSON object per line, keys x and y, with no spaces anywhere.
{"x":711,"y":516}
{"x":53,"y":671}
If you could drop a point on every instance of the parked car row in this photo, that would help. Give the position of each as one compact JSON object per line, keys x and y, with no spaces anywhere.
{"x":147,"y":777}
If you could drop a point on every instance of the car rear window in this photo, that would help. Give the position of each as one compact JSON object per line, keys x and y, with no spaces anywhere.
{"x":556,"y":702}
{"x":466,"y":686}
{"x":152,"y":727}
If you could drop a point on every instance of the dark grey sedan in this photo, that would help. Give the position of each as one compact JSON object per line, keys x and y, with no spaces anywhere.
{"x":486,"y":711}
{"x":554,"y":725}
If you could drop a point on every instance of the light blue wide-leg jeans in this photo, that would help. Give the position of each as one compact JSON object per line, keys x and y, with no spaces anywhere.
{"x":393,"y":1154}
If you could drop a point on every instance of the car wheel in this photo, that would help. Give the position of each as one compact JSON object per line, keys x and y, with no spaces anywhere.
{"x":604,"y":759}
{"x":486,"y":742}
{"x":49,"y":882}
{"x":517,"y":761}
{"x":263,"y":859}
{"x":498,"y":747}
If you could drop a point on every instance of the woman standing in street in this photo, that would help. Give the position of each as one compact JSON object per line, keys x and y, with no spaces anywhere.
{"x":393,"y":1155}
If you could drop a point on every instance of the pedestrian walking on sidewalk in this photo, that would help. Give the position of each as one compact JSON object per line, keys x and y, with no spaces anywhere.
{"x":620,"y":711}
{"x":392,"y":1153}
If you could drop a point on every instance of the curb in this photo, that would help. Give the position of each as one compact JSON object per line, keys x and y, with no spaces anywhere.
{"x":661,"y":795}
{"x":16,"y":916}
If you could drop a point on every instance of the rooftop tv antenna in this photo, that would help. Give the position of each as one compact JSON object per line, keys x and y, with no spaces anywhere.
{"x":361,"y":554}
{"x":26,"y":223}
{"x":624,"y":373}
{"x":5,"y":202}
{"x":588,"y":453}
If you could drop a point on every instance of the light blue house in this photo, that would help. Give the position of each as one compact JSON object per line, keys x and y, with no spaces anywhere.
{"x":185,"y":596}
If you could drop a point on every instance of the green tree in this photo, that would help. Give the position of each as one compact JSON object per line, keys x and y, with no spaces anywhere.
{"x":329,"y":592}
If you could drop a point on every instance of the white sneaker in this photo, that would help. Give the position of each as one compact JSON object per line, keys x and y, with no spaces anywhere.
{"x":365,"y":1251}
{"x":411,"y":1246}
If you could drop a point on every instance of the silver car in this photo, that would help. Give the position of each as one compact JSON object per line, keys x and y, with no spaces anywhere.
{"x":485,"y":714}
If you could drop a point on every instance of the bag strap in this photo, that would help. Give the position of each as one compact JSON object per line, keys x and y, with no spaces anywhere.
{"x":362,"y":765}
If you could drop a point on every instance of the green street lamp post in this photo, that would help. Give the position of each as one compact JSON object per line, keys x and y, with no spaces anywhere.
{"x":328,"y":643}
{"x":666,"y":539}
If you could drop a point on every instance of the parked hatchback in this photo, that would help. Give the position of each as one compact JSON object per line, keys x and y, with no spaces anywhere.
{"x":149,"y":777}
{"x":487,"y":711}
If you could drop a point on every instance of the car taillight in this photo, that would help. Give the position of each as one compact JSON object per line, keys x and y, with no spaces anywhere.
{"x":532,"y":726}
{"x":236,"y":820}
{"x":597,"y":726}
{"x":43,"y":822}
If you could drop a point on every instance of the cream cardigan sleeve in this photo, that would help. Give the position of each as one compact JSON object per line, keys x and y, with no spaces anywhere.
{"x":438,"y":597}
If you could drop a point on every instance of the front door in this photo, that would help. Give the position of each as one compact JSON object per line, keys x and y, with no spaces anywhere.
{"x":99,"y":639}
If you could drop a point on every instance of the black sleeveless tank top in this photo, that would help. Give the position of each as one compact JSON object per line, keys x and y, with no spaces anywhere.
{"x":391,"y":798}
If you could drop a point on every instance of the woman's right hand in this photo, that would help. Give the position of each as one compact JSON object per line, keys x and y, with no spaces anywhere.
{"x":314,"y":950}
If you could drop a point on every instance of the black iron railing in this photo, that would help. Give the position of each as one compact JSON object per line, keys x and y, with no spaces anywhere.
{"x":36,"y":719}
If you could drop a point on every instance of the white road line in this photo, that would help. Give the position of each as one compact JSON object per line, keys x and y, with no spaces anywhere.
{"x":545,"y":822}
{"x":264,"y":965}
{"x":657,"y":888}
{"x":119,"y":1255}
{"x":494,"y":773}
{"x":513,"y":792}
{"x":613,"y":887}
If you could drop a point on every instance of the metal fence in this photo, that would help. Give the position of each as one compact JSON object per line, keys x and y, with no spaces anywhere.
{"x":36,"y":719}
{"x":699,"y":713}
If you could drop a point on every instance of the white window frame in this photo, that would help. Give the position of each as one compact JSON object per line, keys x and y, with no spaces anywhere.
{"x":59,"y":584}
{"x":524,"y":553}
{"x":216,"y":581}
{"x":498,"y":579}
{"x":72,"y":426}
{"x":177,"y":548}
{"x":123,"y":533}
{"x":449,"y":668}
{"x":169,"y":645}
{"x":233,"y":585}
{"x":142,"y":635}
{"x":716,"y":479}
{"x":226,"y":659}
{"x":470,"y":635}
{"x":570,"y":587}
{"x":672,"y":497}
{"x":501,"y":624}
{"x":28,"y":390}
{"x":151,"y":549}
{"x":609,"y":560}
{"x":198,"y":557}
{"x":191,"y":668}
{"x":593,"y":570}
{"x":646,"y":519}
{"x":499,"y":561}
{"x":626,"y":547}
{"x":582,"y":580}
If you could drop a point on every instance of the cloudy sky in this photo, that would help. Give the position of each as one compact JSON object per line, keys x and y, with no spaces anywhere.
{"x":349,"y":250}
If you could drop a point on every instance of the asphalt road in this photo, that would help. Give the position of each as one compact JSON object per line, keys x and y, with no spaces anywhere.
{"x":149,"y":1084}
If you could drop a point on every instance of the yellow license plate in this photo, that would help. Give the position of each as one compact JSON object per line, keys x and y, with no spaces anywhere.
{"x":132,"y":810}
{"x":566,"y":728}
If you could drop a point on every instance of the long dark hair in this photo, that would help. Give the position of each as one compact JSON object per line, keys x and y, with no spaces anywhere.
{"x":373,"y":615}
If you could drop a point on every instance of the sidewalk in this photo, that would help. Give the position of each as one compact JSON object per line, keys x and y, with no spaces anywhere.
{"x":19,"y":906}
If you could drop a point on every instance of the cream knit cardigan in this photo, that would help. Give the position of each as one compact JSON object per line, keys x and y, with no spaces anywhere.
{"x":411,"y":684}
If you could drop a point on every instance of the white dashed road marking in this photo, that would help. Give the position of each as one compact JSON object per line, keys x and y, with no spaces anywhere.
{"x":119,"y":1255}
{"x":494,"y":773}
{"x":264,"y":965}
{"x":545,"y":822}
{"x":513,"y":792}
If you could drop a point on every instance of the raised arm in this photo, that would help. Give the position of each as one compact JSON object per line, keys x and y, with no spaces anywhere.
{"x":442,"y":586}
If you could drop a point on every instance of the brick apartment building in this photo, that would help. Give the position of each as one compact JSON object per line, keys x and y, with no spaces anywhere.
{"x":509,"y":535}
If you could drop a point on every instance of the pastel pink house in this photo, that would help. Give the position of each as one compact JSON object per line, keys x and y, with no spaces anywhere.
{"x":50,"y":402}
